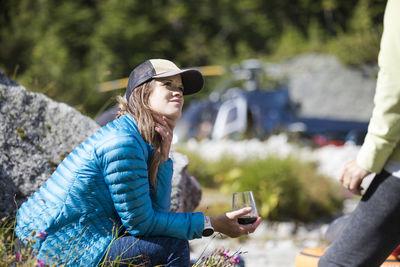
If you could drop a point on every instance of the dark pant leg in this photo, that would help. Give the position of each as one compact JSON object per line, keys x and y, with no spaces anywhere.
{"x":373,"y":229}
{"x":148,"y":251}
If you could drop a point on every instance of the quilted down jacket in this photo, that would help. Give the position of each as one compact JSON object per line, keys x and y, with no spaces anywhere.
{"x":99,"y":189}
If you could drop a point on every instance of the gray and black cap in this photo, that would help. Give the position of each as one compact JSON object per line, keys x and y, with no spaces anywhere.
{"x":192,"y":79}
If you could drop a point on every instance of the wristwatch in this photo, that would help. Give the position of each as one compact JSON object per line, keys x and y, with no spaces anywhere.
{"x":208,"y":229}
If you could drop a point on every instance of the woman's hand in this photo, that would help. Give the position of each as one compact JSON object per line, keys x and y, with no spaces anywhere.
{"x":165,"y":127}
{"x":352,"y":176}
{"x":228,"y":224}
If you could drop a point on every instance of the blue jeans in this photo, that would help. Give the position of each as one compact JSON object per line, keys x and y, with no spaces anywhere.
{"x":148,"y":251}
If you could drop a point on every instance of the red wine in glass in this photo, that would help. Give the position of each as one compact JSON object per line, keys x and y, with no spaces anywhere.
{"x":242,"y":200}
{"x":247,"y":220}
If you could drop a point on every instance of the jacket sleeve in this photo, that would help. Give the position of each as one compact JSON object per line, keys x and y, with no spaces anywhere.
{"x":161,"y":195}
{"x":384,"y":128}
{"x":124,"y":166}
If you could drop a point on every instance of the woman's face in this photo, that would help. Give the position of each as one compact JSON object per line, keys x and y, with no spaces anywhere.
{"x":166,"y":98}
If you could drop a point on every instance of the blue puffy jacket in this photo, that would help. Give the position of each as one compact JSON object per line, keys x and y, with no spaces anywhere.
{"x":101,"y":186}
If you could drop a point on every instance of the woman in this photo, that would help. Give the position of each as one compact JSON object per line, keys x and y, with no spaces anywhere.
{"x":108,"y":201}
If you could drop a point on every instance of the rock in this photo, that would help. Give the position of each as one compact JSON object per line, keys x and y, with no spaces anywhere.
{"x":37,"y":133}
{"x":326,"y":88}
{"x":186,"y":191}
{"x":5,"y":80}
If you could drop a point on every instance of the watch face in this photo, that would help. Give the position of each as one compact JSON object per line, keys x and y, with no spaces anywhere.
{"x":208,"y":232}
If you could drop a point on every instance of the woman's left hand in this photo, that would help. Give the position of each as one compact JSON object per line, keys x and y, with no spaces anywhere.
{"x":165,"y":127}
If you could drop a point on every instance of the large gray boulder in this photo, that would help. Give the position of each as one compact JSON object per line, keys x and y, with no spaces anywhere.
{"x":37,"y":133}
{"x":326,"y":88}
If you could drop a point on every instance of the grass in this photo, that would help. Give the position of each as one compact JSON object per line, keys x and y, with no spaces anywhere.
{"x":14,"y":253}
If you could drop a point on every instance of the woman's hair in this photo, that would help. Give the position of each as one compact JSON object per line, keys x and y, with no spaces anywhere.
{"x":138,"y":107}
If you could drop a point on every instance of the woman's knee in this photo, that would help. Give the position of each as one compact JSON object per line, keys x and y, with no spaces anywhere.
{"x":169,"y":251}
{"x":171,"y":245}
{"x":157,"y":250}
{"x":182,"y":244}
{"x":179,"y":253}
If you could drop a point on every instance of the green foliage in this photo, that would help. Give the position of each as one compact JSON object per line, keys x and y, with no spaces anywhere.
{"x":23,"y":256}
{"x":206,"y":171}
{"x":214,"y":202}
{"x":285,"y":189}
{"x":356,"y":49}
{"x":291,"y":43}
{"x":355,"y":43}
{"x":361,"y":43}
{"x":66,"y":49}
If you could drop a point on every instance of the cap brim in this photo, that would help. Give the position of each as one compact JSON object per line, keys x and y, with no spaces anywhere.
{"x":192,"y":79}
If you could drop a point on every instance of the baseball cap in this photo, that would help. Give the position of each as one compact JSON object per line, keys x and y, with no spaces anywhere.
{"x":192,"y":79}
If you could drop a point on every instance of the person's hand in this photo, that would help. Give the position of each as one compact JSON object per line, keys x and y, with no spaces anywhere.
{"x":165,"y":127}
{"x":352,"y":176}
{"x":228,"y":224}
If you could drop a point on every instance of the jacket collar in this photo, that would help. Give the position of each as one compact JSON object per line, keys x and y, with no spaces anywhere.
{"x":131,"y":123}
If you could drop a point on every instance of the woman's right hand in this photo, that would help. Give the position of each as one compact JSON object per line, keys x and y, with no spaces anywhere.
{"x":228,"y":223}
{"x":165,"y":127}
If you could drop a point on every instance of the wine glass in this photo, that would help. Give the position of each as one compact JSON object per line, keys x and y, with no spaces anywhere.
{"x":242,"y":200}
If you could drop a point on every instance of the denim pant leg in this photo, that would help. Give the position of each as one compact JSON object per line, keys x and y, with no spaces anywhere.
{"x":373,"y":229}
{"x":148,"y":251}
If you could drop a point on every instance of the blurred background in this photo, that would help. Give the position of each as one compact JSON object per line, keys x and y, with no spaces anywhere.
{"x":66,"y":49}
{"x":246,"y":129}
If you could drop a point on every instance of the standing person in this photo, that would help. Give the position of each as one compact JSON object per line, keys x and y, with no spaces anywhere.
{"x":373,"y":229}
{"x":108,"y":201}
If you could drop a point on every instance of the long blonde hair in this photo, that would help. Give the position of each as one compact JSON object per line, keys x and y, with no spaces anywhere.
{"x":138,"y":107}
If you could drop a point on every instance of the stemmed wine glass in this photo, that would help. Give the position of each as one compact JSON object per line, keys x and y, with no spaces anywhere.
{"x":242,"y":200}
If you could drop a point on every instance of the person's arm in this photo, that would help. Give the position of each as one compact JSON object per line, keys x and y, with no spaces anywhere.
{"x":384,"y":127}
{"x":161,"y":195}
{"x":125,"y":172}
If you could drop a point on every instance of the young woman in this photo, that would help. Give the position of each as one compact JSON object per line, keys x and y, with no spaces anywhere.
{"x":108,"y":201}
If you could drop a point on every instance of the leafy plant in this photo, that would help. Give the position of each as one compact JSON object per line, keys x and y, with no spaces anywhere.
{"x":285,"y":189}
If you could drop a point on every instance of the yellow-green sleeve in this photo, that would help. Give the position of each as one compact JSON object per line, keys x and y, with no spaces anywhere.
{"x":382,"y":139}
